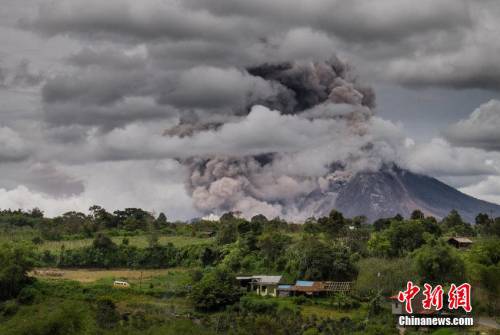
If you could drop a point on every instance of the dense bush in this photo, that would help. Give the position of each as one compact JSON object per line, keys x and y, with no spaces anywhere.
{"x":15,"y":262}
{"x":438,"y":263}
{"x":217,"y":289}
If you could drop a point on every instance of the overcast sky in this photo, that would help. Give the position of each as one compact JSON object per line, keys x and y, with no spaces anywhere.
{"x":89,"y":87}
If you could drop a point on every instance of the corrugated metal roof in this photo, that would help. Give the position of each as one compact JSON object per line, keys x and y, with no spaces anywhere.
{"x":267,"y":279}
{"x":461,"y":239}
{"x":284,"y":286}
{"x":306,"y":283}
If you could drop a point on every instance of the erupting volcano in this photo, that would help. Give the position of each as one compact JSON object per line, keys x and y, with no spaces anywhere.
{"x":309,"y":141}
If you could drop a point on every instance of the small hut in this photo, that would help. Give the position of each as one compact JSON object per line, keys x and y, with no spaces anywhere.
{"x":460,"y":242}
{"x":261,"y":284}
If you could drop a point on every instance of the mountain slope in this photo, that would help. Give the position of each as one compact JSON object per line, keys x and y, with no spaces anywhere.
{"x":392,"y":190}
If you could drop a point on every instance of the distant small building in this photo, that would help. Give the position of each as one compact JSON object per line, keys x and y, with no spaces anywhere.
{"x":460,"y":242}
{"x":398,"y":308}
{"x":261,"y":284}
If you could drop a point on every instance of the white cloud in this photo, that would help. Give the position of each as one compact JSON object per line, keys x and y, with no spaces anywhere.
{"x":438,"y":158}
{"x":480,"y":130}
{"x":155,"y":186}
{"x":487,"y":189}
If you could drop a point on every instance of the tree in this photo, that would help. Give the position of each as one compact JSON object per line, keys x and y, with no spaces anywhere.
{"x":313,"y":259}
{"x":217,"y":289}
{"x":161,"y":221}
{"x":484,"y":268}
{"x":381,"y":224}
{"x":417,"y":214}
{"x":487,"y":225}
{"x":438,"y":263}
{"x":272,"y":245}
{"x":454,"y":224}
{"x":103,"y":242}
{"x":228,"y":233}
{"x":107,"y":315}
{"x":15,"y":262}
{"x":379,"y":245}
{"x":402,"y":236}
{"x":333,"y":225}
{"x":259,"y":218}
{"x":36,"y":213}
{"x":483,"y":220}
{"x":102,"y":218}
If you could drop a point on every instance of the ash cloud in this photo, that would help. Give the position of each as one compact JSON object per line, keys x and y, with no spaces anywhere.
{"x":291,"y":152}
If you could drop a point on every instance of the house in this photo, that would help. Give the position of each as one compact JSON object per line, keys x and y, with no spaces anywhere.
{"x":398,"y":308}
{"x":261,"y":284}
{"x":460,"y":242}
{"x":266,"y":285}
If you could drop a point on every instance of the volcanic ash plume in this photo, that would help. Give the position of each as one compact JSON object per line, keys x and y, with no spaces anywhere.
{"x":289,"y":152}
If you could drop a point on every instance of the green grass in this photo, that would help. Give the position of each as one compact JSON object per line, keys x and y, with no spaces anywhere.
{"x":140,"y":241}
{"x":334,"y":313}
{"x":23,"y":234}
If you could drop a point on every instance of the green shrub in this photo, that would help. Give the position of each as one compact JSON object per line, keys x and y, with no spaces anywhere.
{"x":258,"y":305}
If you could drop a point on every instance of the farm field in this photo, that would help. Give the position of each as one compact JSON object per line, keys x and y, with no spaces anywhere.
{"x":94,"y":275}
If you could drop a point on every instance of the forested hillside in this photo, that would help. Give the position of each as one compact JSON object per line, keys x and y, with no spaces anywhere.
{"x":57,"y":274}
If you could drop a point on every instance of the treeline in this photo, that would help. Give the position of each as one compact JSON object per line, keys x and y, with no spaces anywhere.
{"x":77,"y":223}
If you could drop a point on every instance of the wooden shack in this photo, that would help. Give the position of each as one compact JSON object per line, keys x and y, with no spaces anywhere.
{"x":460,"y":242}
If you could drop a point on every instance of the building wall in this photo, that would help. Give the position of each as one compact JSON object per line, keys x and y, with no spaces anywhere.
{"x":397,"y":307}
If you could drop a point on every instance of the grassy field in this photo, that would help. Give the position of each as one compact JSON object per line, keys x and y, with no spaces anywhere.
{"x":140,"y":241}
{"x":94,"y":275}
{"x":18,"y":235}
{"x":334,"y":313}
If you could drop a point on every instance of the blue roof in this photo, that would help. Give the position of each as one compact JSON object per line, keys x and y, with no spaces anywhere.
{"x":284,"y":286}
{"x":304,"y":283}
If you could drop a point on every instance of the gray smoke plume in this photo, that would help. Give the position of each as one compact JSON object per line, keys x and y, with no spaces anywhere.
{"x":322,"y":133}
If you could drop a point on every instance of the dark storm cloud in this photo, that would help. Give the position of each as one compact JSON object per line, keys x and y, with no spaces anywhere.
{"x":3,"y":76}
{"x":351,"y":20}
{"x":20,"y":75}
{"x":216,"y":88}
{"x":105,"y":116}
{"x":147,"y":20}
{"x":93,"y":87}
{"x":448,"y":43}
{"x":109,"y":58}
{"x":23,"y":75}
